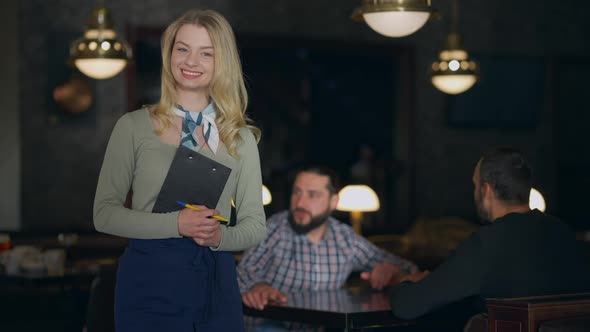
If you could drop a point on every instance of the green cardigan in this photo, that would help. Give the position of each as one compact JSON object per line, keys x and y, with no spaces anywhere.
{"x":137,"y":159}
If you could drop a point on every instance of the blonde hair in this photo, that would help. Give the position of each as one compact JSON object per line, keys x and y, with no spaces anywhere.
{"x":227,"y":88}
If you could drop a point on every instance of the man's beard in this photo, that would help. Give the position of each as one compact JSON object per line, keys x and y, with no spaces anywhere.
{"x":484,"y":216}
{"x":314,"y":223}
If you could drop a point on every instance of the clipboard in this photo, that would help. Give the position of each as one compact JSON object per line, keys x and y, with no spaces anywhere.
{"x":192,"y":178}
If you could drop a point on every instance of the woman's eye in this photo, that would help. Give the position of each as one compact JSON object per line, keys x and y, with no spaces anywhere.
{"x":207,"y":54}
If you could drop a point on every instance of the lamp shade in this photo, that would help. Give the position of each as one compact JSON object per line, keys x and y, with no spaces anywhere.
{"x":100,"y":68}
{"x":393,"y":18}
{"x":454,"y":72}
{"x":100,"y":54}
{"x":453,"y":84}
{"x":266,"y":196}
{"x":536,"y":200}
{"x":396,"y":24}
{"x":357,"y":198}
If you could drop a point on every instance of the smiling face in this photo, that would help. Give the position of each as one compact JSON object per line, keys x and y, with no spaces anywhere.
{"x":192,"y":60}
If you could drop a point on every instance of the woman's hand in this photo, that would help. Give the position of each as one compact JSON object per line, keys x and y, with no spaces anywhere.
{"x":199,"y":225}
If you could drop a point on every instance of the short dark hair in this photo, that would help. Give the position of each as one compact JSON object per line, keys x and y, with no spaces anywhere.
{"x":508,"y":172}
{"x":333,"y":181}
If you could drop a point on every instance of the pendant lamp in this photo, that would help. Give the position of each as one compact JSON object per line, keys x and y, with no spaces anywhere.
{"x":100,"y":54}
{"x":393,"y":18}
{"x":454,"y":72}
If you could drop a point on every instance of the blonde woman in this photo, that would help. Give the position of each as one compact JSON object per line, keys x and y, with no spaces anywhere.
{"x":177,"y":273}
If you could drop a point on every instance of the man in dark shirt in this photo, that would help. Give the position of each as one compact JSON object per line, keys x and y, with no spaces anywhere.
{"x":521,"y":252}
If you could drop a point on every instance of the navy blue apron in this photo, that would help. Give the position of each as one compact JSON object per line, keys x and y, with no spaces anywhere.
{"x":176,"y":285}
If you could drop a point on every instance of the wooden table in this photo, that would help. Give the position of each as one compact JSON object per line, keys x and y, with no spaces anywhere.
{"x":351,"y":309}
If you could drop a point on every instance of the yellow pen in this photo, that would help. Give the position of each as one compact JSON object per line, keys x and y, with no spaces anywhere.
{"x":192,"y":207}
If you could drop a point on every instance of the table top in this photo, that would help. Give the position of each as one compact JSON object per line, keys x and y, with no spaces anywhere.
{"x":349,"y":308}
{"x":540,"y":301}
{"x":76,"y":275}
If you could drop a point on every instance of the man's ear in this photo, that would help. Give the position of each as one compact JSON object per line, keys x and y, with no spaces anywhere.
{"x":333,"y":202}
{"x":487,"y":191}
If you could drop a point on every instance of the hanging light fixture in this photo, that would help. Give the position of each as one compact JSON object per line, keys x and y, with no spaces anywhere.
{"x":393,"y":18}
{"x":100,"y":54}
{"x":454,"y":72}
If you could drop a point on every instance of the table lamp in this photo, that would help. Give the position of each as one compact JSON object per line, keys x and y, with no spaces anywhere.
{"x":536,"y":200}
{"x":357,"y":199}
{"x":266,"y":196}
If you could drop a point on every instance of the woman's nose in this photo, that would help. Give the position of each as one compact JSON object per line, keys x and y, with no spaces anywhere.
{"x":193,"y":59}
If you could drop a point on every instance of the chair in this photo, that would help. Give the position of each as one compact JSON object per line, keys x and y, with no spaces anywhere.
{"x":566,"y":312}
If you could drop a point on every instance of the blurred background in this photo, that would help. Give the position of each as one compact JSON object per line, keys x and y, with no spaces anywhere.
{"x":324,"y":89}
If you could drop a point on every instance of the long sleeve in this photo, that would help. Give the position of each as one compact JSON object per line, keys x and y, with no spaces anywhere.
{"x":137,"y":159}
{"x":250,"y":227}
{"x":458,"y":277}
{"x":255,"y":263}
{"x":114,"y":182}
{"x":366,"y":255}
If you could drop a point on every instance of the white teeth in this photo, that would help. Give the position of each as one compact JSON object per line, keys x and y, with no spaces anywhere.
{"x":191,"y":73}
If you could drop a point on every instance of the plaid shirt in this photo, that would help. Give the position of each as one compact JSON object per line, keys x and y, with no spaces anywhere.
{"x":290,"y":262}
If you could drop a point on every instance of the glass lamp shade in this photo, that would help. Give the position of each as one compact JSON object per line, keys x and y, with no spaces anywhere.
{"x":396,"y":23}
{"x":454,"y":72}
{"x":100,"y":68}
{"x":453,"y":84}
{"x":100,"y":58}
{"x":357,"y":198}
{"x":536,"y":200}
{"x":266,"y":196}
{"x":100,"y":54}
{"x":393,"y":18}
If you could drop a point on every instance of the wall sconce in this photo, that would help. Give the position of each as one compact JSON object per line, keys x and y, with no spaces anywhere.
{"x":100,"y":54}
{"x":73,"y":96}
{"x":393,"y":18}
{"x":266,"y":196}
{"x":357,"y":199}
{"x":536,"y":200}
{"x":454,"y":72}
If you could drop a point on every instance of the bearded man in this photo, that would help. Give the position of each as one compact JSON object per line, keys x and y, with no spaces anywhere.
{"x":307,"y":249}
